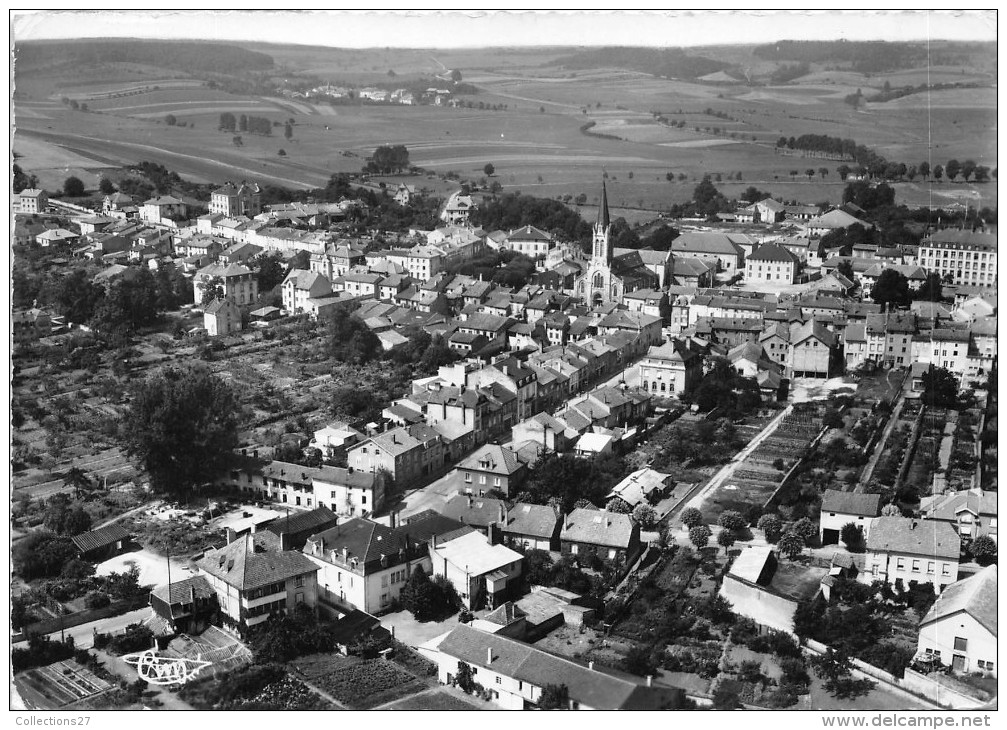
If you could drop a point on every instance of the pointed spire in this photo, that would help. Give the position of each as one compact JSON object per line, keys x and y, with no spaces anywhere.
{"x":604,"y":221}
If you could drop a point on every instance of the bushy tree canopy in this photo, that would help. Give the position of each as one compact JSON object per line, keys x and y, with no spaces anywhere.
{"x":182,"y":426}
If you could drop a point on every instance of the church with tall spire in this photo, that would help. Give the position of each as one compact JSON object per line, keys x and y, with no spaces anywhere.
{"x":609,"y":277}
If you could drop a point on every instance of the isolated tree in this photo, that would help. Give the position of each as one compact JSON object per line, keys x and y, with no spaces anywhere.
{"x":823,"y":172}
{"x":810,"y":172}
{"x":938,"y":172}
{"x":805,"y":528}
{"x":932,"y":289}
{"x":732,"y":520}
{"x":924,"y":169}
{"x":456,"y":75}
{"x":771,"y":526}
{"x":182,"y":425}
{"x":73,"y":187}
{"x":852,"y":536}
{"x":700,"y":536}
{"x":489,"y":169}
{"x":282,"y":153}
{"x":891,"y":290}
{"x":170,"y":120}
{"x":237,"y":141}
{"x":952,"y":169}
{"x":843,"y":171}
{"x":288,"y":131}
{"x":725,"y":538}
{"x":791,"y":544}
{"x":691,"y":517}
{"x":984,"y":550}
{"x":645,"y":516}
{"x":227,"y":122}
{"x":106,"y":187}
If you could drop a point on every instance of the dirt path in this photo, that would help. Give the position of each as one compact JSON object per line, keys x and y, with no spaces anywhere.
{"x":721,"y":476}
{"x":879,"y":448}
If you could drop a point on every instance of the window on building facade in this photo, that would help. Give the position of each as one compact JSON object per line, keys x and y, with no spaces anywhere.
{"x":961,"y":643}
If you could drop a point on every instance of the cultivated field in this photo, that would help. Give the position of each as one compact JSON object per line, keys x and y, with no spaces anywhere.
{"x":537,"y":144}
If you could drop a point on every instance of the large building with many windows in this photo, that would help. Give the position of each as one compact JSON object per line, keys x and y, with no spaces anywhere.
{"x":962,"y":257}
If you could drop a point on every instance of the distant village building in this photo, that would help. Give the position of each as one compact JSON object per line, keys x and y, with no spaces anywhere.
{"x":232,"y":200}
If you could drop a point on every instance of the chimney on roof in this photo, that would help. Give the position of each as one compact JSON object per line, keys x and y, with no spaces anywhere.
{"x":590,"y":665}
{"x":230,"y":535}
{"x":346,"y":554}
{"x":503,"y":514}
{"x":650,"y":680}
{"x":489,"y":655}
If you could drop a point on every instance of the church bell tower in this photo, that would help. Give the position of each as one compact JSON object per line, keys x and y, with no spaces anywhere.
{"x":601,"y":246}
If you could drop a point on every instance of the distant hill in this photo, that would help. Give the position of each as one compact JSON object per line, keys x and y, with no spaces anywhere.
{"x":669,"y":63}
{"x":191,"y":56}
{"x":878,"y":56}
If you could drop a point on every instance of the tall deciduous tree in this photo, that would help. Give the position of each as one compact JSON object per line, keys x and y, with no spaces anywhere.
{"x":791,"y":544}
{"x":891,"y":290}
{"x":73,"y":187}
{"x":182,"y":425}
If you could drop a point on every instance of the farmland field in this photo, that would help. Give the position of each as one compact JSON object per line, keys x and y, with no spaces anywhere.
{"x":536,"y":143}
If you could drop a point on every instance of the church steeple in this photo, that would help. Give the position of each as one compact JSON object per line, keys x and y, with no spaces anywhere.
{"x":604,"y":221}
{"x":601,"y":250}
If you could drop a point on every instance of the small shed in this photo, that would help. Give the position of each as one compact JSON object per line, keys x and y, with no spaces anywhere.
{"x":103,"y":543}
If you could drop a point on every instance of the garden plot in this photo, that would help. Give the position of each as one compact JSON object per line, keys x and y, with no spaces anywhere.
{"x":360,"y":684}
{"x":58,"y":685}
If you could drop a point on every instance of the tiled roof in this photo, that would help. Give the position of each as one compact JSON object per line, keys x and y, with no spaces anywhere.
{"x":978,"y":502}
{"x":537,"y":520}
{"x":478,"y":511}
{"x":851,"y":503}
{"x":975,"y":595}
{"x":705,"y":242}
{"x":239,"y":564}
{"x":302,"y":521}
{"x":598,"y":528}
{"x":497,"y":459}
{"x":369,"y":541}
{"x":100,"y":538}
{"x":473,"y":552}
{"x":598,"y":688}
{"x":915,"y":537}
{"x":181,"y":591}
{"x":772,"y":252}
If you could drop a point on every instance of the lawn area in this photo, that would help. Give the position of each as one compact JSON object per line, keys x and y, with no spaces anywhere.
{"x":360,"y":684}
{"x":879,"y":698}
{"x":440,"y":699}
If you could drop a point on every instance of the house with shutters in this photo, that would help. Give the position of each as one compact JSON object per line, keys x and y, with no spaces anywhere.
{"x":606,"y":535}
{"x":491,"y":467}
{"x":670,"y":369}
{"x":238,"y":283}
{"x":909,"y":549}
{"x":232,"y":200}
{"x":364,"y":565}
{"x":960,"y":629}
{"x":841,"y":508}
{"x":530,"y":241}
{"x":253,"y":582}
